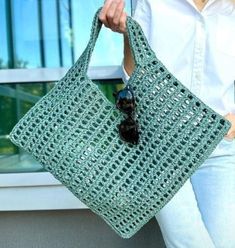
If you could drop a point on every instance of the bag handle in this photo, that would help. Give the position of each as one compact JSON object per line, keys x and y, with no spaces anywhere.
{"x":140,"y":48}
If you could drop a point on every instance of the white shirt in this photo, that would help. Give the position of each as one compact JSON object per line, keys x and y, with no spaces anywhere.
{"x":197,"y":47}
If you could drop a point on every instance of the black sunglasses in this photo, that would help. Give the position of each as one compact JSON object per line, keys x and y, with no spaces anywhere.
{"x":125,"y":102}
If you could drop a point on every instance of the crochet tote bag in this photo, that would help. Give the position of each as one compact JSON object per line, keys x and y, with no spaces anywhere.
{"x":72,"y":131}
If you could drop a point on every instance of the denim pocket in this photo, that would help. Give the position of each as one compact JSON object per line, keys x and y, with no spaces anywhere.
{"x":225,"y":147}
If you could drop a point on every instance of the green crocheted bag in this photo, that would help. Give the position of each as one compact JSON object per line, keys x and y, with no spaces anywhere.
{"x":72,"y":131}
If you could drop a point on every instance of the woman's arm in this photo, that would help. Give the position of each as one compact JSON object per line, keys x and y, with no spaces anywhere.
{"x":113,"y":16}
{"x":129,"y":64}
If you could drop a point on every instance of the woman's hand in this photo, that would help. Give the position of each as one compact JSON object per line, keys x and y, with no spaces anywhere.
{"x":231,"y":133}
{"x":113,"y":16}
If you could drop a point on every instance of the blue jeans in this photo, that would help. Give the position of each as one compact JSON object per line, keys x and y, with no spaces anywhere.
{"x":202,"y":212}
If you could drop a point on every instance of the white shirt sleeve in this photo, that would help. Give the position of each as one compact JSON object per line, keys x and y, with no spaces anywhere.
{"x":142,"y":15}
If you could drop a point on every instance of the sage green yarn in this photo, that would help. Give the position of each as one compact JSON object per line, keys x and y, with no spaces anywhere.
{"x":72,"y":131}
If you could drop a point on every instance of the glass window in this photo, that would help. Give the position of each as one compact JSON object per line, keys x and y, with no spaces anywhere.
{"x":3,"y":36}
{"x":15,"y":101}
{"x":65,"y":33}
{"x":108,"y":43}
{"x":50,"y":33}
{"x":53,"y":33}
{"x":45,"y":33}
{"x":26,"y":36}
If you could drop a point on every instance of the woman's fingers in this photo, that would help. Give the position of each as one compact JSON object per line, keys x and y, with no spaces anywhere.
{"x":110,"y":12}
{"x":116,"y":15}
{"x":112,"y":15}
{"x":102,"y":14}
{"x":122,"y":25}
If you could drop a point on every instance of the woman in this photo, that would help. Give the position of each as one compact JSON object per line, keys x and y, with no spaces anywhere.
{"x":195,"y":40}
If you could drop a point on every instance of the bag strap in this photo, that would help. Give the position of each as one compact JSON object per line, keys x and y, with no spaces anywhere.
{"x":140,"y":48}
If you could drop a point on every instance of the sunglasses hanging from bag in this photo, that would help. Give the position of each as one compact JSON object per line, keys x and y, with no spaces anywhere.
{"x":125,"y":102}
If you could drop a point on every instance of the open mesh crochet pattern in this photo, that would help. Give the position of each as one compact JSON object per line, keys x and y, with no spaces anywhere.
{"x":72,"y":131}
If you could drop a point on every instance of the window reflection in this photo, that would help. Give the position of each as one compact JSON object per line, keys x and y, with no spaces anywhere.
{"x":52,"y":33}
{"x":15,"y":101}
{"x":45,"y":33}
{"x":3,"y":36}
{"x":25,"y":33}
